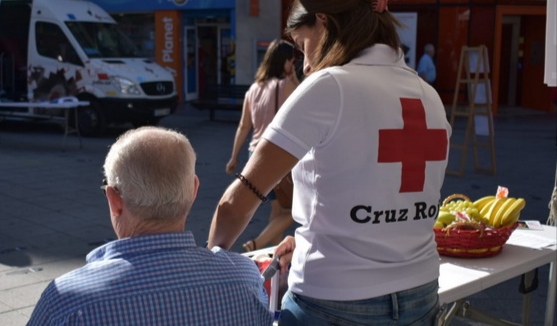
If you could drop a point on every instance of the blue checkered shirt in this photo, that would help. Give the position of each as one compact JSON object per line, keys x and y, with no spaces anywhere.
{"x":162,"y":279}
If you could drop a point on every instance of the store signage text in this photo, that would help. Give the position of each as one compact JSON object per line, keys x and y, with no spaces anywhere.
{"x":168,"y":50}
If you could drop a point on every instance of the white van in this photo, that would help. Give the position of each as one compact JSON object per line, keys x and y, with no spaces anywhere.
{"x":57,"y":48}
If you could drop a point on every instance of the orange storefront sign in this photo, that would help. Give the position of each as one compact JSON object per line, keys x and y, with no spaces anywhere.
{"x":168,"y":49}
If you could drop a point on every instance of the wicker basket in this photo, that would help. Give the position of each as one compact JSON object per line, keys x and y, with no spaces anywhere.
{"x":472,"y":243}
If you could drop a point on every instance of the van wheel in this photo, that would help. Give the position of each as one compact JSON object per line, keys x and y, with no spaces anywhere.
{"x":91,"y":120}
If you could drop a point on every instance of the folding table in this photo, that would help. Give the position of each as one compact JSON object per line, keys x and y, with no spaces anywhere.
{"x":65,"y":103}
{"x":462,"y":277}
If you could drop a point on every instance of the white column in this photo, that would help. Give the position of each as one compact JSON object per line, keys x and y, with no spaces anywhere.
{"x":550,"y":77}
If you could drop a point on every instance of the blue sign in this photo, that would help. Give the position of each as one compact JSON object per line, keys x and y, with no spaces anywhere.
{"x":147,"y":5}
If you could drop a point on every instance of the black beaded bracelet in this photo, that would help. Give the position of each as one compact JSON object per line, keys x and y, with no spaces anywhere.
{"x":251,"y":187}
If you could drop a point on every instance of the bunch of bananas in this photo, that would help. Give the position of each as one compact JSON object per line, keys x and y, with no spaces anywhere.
{"x":459,"y":211}
{"x":499,"y":212}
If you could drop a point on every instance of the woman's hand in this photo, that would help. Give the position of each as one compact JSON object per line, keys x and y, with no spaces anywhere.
{"x":285,"y":250}
{"x":231,"y":166}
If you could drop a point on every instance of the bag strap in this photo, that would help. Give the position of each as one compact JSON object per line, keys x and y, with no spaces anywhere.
{"x":276,"y":97}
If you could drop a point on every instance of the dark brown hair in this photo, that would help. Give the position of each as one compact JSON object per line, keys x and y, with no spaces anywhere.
{"x":351,"y":26}
{"x":272,"y":66}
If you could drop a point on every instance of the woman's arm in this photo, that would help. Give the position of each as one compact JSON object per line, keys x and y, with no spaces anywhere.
{"x":244,"y":127}
{"x":267,"y":166}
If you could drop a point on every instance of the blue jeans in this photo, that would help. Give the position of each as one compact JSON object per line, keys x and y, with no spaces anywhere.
{"x":417,"y":307}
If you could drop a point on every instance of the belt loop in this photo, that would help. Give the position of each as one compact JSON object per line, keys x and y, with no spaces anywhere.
{"x":394,"y":300}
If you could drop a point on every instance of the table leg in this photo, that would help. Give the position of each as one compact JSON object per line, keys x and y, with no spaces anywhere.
{"x":470,"y":312}
{"x":77,"y":127}
{"x":551,"y":292}
{"x":66,"y":126}
{"x":527,"y":298}
{"x":446,"y":313}
{"x":462,"y":308}
{"x":68,"y":129}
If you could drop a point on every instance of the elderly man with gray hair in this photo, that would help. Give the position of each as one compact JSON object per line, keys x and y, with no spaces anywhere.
{"x":426,"y":67}
{"x":154,"y":274}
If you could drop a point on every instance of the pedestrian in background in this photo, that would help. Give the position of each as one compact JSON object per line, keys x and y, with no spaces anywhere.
{"x":367,"y":141}
{"x":154,"y":274}
{"x":426,"y":66}
{"x":274,"y":81}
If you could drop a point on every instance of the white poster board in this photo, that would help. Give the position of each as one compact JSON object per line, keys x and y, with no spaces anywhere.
{"x":550,"y":77}
{"x":473,"y":57}
{"x":481,"y":125}
{"x":482,"y":95}
{"x":407,"y":35}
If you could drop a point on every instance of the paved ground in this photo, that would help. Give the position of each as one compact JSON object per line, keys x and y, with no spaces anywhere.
{"x":52,"y":212}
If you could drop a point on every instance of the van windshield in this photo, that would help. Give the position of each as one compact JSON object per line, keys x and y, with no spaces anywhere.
{"x":103,"y":40}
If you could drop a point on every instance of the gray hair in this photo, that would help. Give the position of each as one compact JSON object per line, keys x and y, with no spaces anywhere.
{"x":153,"y":170}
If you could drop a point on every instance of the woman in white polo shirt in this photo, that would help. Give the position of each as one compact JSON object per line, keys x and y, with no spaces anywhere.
{"x":368,"y":142}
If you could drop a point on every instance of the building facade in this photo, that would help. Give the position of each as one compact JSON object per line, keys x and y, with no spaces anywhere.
{"x":223,"y":41}
{"x":513,"y":32}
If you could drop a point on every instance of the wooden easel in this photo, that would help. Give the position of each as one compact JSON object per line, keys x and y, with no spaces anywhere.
{"x":473,"y":72}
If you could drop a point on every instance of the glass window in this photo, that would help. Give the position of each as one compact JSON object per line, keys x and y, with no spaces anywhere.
{"x":140,"y":28}
{"x":52,"y":43}
{"x":103,"y":40}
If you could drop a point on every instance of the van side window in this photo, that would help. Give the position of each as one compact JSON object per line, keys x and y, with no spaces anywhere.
{"x":52,"y":43}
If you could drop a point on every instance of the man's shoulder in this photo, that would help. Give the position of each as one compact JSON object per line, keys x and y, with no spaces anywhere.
{"x":230,"y":257}
{"x":425,"y":62}
{"x":109,"y":277}
{"x":423,"y":58}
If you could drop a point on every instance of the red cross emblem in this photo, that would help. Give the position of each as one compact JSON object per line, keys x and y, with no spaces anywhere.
{"x":413,"y":145}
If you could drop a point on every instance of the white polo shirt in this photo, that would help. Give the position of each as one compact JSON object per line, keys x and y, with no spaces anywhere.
{"x":372,"y":138}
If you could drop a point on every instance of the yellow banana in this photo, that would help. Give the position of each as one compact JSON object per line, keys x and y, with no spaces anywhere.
{"x":480,"y":203}
{"x":512,"y":213}
{"x":500,"y":214}
{"x":485,"y":210}
{"x":511,"y":219}
{"x":494,"y":208}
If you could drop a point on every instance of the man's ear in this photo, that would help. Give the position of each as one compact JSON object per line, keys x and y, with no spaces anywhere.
{"x":196,"y":187}
{"x":115,"y":202}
